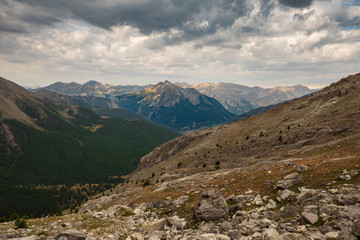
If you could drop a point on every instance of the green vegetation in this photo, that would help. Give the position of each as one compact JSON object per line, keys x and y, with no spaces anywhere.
{"x":217,"y":165}
{"x":146,"y":183}
{"x":69,"y":146}
{"x":21,"y":223}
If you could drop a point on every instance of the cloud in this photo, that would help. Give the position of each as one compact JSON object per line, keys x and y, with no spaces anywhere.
{"x":296,"y":3}
{"x":144,"y":41}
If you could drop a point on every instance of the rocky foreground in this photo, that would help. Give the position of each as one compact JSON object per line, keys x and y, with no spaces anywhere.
{"x":291,"y":212}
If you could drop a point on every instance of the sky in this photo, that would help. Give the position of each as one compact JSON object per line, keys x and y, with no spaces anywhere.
{"x":251,"y":42}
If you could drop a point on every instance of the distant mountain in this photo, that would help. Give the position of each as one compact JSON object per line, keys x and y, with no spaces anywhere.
{"x":103,"y":106}
{"x":92,"y":88}
{"x":175,"y":107}
{"x":240,"y":99}
{"x":82,"y":101}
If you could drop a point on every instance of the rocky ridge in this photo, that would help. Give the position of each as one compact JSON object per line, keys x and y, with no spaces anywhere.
{"x":240,"y":99}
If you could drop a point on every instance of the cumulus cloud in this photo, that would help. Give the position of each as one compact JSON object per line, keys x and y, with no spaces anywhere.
{"x":267,"y":42}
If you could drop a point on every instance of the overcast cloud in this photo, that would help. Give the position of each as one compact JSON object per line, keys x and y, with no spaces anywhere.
{"x":251,"y":42}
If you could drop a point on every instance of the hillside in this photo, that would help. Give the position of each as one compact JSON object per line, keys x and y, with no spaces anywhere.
{"x":177,"y":108}
{"x":45,"y":142}
{"x":304,"y":127}
{"x":241,"y":99}
{"x":291,"y":172}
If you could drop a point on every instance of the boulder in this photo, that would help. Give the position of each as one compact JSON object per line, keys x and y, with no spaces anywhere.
{"x":174,"y":222}
{"x":71,"y":235}
{"x":289,"y":181}
{"x":356,"y":228}
{"x":258,"y":200}
{"x":271,"y":234}
{"x":310,"y":217}
{"x":301,"y":168}
{"x":347,"y":199}
{"x":283,"y":195}
{"x":212,"y":206}
{"x":181,"y":200}
{"x":155,"y":226}
{"x":289,"y":211}
{"x":270,"y":205}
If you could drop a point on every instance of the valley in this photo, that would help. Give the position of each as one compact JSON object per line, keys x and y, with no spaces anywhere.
{"x":46,"y":142}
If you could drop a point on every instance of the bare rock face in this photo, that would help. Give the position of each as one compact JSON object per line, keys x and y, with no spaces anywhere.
{"x":289,"y":181}
{"x":212,"y":206}
{"x":71,"y":235}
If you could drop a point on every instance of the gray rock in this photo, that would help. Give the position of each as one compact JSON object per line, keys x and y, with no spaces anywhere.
{"x":289,"y":181}
{"x":212,"y":206}
{"x":331,"y":235}
{"x":235,"y":207}
{"x":272,"y":216}
{"x":283,"y":195}
{"x":158,"y":204}
{"x":345,"y":234}
{"x":346,"y":177}
{"x":258,"y":200}
{"x":226,"y":227}
{"x":310,"y":217}
{"x":356,"y":228}
{"x":71,"y":235}
{"x":289,"y":211}
{"x":155,"y":226}
{"x":174,"y":222}
{"x":347,"y":199}
{"x":271,"y":234}
{"x":270,"y":205}
{"x":181,"y":200}
{"x":301,"y":168}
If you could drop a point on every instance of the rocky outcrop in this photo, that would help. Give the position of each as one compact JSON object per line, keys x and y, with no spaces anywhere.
{"x":212,"y":206}
{"x":289,"y":181}
{"x":71,"y":235}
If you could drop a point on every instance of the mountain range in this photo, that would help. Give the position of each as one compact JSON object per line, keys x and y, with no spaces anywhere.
{"x":235,"y":98}
{"x":175,"y":107}
{"x":92,"y":88}
{"x":240,"y":99}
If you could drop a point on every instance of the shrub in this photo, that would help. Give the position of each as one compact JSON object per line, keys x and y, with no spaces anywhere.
{"x":146,"y":183}
{"x":247,"y":137}
{"x":179,"y":164}
{"x":204,"y":165}
{"x":3,"y":219}
{"x":280,"y":138}
{"x":21,"y":223}
{"x":261,"y":134}
{"x":153,"y":174}
{"x":14,"y":216}
{"x":217,"y":163}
